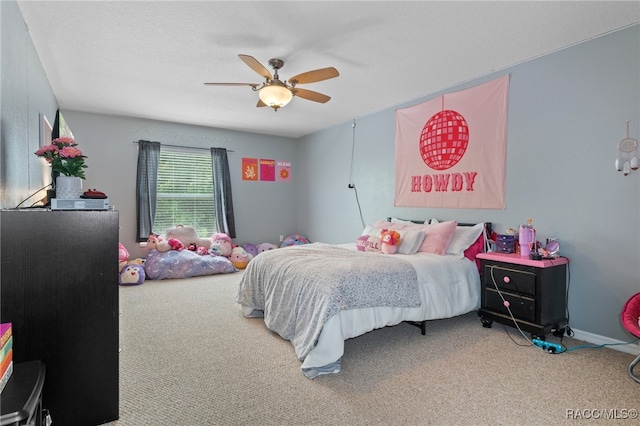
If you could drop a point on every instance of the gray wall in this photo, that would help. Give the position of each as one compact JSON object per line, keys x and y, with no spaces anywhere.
{"x":263,"y":210}
{"x":25,"y":93}
{"x":567,"y":112}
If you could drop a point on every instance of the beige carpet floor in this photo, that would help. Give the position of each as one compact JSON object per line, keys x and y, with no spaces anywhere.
{"x":189,"y":357}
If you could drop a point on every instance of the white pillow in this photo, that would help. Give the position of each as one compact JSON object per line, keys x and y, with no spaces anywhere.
{"x":372,"y":230}
{"x":404,"y":222}
{"x":463,"y":238}
{"x":410,"y":241}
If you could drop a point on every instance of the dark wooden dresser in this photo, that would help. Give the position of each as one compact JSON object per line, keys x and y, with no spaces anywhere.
{"x":536,"y":292}
{"x":59,"y":289}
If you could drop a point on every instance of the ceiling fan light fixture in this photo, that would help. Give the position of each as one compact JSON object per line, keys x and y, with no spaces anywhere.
{"x":275,"y":95}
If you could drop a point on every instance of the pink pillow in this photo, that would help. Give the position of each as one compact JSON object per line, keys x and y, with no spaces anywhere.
{"x":368,"y":243}
{"x":436,"y":237}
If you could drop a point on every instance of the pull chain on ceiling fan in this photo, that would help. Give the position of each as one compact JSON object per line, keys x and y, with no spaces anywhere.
{"x":276,"y":93}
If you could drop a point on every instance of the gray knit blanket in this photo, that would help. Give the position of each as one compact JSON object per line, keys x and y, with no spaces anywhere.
{"x":298,"y":288}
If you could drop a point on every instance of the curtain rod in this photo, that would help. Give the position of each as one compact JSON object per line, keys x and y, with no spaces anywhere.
{"x":183,"y":146}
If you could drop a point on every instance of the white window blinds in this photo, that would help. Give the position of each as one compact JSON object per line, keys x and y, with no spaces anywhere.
{"x":185,"y":191}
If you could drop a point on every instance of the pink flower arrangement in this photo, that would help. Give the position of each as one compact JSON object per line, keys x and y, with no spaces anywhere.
{"x":64,"y":157}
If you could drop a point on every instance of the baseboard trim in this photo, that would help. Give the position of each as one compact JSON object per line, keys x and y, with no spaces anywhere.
{"x":596,"y":339}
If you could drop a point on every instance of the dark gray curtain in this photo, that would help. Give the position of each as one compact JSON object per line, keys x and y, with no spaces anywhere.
{"x":146,"y":187}
{"x":225,"y":221}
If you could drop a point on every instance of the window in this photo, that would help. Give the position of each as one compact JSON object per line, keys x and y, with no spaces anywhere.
{"x":185,"y":191}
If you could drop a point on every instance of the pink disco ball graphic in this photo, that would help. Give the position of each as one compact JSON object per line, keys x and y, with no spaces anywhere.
{"x":444,"y":140}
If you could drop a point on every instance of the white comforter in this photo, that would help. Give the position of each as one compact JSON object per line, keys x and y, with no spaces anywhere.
{"x":448,"y":286}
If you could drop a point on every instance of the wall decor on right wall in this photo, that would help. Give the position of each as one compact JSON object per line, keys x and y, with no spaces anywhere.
{"x":283,"y":171}
{"x":627,"y":154}
{"x":442,"y":146}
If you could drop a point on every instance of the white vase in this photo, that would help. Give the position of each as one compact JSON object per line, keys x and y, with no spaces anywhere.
{"x":68,"y":187}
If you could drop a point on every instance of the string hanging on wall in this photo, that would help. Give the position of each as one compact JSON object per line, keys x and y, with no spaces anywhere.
{"x":351,"y":184}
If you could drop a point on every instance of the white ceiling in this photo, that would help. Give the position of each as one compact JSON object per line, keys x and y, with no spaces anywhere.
{"x":149,"y":59}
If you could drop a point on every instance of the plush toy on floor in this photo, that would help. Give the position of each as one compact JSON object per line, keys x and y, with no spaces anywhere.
{"x":239,"y":257}
{"x":123,"y":256}
{"x":132,"y":275}
{"x":137,"y":261}
{"x":265,"y":247}
{"x":220,"y":245}
{"x":201,"y":250}
{"x":294,"y":240}
{"x":187,"y":235}
{"x":252,"y":249}
{"x":390,"y":241}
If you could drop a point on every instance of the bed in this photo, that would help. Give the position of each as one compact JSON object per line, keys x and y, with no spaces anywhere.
{"x":319,"y":295}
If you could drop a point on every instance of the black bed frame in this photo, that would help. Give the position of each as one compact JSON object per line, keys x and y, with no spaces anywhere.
{"x":422,"y":325}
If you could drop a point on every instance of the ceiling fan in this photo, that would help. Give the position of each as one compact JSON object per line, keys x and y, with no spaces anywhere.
{"x":276,"y":93}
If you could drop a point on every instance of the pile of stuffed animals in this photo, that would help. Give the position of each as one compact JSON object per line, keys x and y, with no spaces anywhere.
{"x":221,"y":245}
{"x":132,"y":271}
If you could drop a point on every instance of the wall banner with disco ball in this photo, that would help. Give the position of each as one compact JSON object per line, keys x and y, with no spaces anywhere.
{"x":451,"y":151}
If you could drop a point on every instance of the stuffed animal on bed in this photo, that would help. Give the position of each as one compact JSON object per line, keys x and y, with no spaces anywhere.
{"x":390,"y":241}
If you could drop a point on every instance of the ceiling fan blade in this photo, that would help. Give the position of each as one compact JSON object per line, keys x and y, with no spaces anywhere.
{"x":315,"y":75}
{"x":260,"y":104}
{"x":256,"y":66}
{"x":310,"y":95}
{"x":254,"y":85}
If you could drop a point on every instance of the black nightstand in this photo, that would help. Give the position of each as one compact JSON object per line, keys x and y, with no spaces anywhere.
{"x":535,"y":289}
{"x":21,"y":399}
